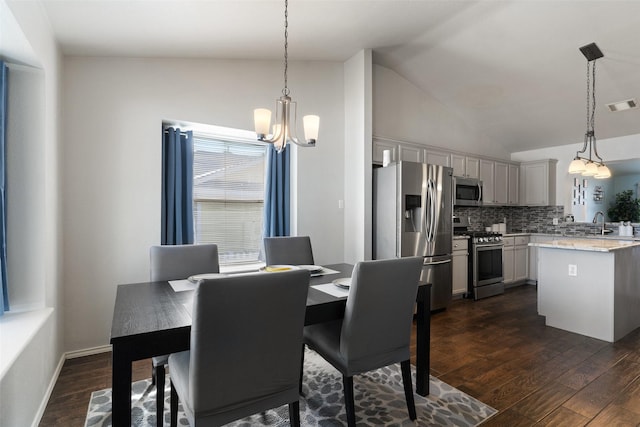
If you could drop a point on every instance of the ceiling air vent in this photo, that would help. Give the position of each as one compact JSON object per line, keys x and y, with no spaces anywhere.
{"x":622,"y":105}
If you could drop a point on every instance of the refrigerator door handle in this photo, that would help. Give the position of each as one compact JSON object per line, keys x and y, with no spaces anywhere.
{"x":431,"y":210}
{"x":446,"y":261}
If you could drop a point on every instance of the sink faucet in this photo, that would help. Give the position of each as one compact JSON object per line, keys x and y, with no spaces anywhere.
{"x":595,"y":221}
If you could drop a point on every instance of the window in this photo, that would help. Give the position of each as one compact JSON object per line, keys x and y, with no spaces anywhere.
{"x":228,"y":194}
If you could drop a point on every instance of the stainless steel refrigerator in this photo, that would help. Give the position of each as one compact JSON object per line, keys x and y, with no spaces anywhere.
{"x":412,"y":204}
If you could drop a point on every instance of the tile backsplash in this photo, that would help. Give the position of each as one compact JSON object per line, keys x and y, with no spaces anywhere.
{"x":530,"y":219}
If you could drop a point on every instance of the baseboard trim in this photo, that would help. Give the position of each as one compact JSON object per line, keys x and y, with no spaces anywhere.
{"x":47,"y":395}
{"x":87,"y":352}
{"x":56,"y":375}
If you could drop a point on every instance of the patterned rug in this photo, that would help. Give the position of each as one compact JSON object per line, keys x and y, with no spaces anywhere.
{"x":379,"y":400}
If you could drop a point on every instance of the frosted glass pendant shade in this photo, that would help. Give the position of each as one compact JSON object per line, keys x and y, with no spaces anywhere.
{"x":576,"y":166}
{"x":311,"y":127}
{"x":262,"y":120}
{"x":603,"y":172}
{"x":590,"y":169}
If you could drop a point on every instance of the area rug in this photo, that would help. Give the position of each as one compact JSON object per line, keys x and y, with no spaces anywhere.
{"x":379,"y":400}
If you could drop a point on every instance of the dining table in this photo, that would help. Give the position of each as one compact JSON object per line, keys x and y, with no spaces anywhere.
{"x":152,"y":319}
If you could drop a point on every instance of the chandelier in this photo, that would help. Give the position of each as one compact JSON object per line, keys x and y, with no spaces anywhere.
{"x":592,"y":165}
{"x":284,"y":129}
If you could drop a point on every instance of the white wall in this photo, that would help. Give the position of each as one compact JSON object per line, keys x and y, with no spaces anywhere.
{"x":34,"y":239}
{"x":404,"y":112}
{"x":113,"y":109}
{"x":622,"y":148}
{"x":357,"y":157}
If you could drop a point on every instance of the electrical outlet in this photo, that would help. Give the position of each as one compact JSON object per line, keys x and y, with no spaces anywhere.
{"x":555,"y":221}
{"x":573,"y":270}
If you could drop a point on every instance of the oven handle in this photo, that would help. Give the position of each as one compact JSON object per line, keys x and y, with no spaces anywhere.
{"x":487,"y":247}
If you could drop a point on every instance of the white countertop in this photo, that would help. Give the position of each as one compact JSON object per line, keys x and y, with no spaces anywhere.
{"x":583,"y":236}
{"x":582,"y":244}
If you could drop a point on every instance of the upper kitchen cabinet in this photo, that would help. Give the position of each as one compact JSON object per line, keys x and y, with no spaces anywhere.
{"x":435,"y":157}
{"x":538,"y":183}
{"x":466,"y":166}
{"x":379,"y":147}
{"x":501,"y":183}
{"x":496,"y":182}
{"x":513,"y":197}
{"x":487,"y":169}
{"x":399,"y":151}
{"x":410,"y":153}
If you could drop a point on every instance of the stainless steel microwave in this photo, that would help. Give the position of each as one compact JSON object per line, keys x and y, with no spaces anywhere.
{"x":467,"y":191}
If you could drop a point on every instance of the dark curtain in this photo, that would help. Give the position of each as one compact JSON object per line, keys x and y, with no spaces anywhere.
{"x":177,"y":187}
{"x":276,"y":199}
{"x":4,"y":295}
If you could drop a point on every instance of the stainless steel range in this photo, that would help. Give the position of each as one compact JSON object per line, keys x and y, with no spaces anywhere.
{"x":485,"y":265}
{"x":485,"y":260}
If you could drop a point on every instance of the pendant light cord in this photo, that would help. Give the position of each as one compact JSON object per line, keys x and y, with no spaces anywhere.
{"x":285,"y":90}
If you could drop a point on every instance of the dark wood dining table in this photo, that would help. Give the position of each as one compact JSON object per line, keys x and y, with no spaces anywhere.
{"x":151,"y":319}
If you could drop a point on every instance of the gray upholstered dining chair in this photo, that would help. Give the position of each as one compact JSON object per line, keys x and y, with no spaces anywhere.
{"x":175,"y":262}
{"x":246,"y":345}
{"x":294,"y":250}
{"x":376,"y":329}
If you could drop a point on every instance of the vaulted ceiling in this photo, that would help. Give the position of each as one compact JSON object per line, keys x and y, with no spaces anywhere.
{"x":510,"y":69}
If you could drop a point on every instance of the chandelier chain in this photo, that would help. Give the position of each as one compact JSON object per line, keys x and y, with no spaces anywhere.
{"x":285,"y":90}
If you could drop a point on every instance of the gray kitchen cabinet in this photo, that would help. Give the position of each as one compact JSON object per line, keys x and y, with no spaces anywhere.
{"x":460,"y":266}
{"x":378,"y":148}
{"x":495,"y":182}
{"x":515,"y":259}
{"x":507,"y":261}
{"x":399,"y":151}
{"x":435,"y":157}
{"x":410,"y":153}
{"x":487,"y":169}
{"x":513,"y":198}
{"x":521,"y":259}
{"x":538,"y":183}
{"x":501,"y":183}
{"x":466,"y":166}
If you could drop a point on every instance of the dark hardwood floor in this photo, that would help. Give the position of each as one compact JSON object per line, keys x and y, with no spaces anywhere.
{"x":497,"y":350}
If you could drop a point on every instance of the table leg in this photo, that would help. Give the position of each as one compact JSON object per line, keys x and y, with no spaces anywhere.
{"x":423,"y":340}
{"x":121,"y":388}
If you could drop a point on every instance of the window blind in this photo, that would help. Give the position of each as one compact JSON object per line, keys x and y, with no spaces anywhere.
{"x":228,"y":196}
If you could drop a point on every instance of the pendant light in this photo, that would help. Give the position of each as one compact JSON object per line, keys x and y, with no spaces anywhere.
{"x":593,"y":165}
{"x":284,"y":130}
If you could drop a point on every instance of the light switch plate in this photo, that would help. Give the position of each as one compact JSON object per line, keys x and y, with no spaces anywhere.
{"x":573,"y":270}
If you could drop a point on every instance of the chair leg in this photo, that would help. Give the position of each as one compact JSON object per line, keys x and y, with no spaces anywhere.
{"x":160,"y":379}
{"x":301,"y":370}
{"x":153,"y":374}
{"x":349,"y":401}
{"x":294,"y":413}
{"x":405,"y":366}
{"x":174,"y":405}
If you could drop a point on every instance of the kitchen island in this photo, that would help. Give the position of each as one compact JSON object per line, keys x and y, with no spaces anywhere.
{"x":590,"y":286}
